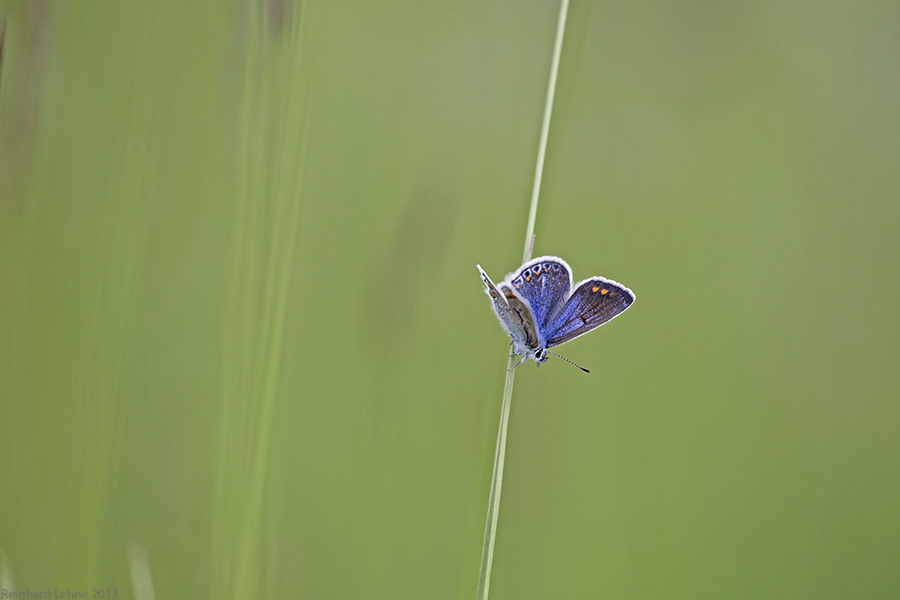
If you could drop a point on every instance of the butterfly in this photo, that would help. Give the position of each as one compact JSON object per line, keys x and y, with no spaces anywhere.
{"x":539,"y":308}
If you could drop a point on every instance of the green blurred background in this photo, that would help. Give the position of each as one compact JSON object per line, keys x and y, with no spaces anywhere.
{"x":244,"y":349}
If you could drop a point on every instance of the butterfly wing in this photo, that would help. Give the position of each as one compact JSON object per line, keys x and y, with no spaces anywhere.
{"x":594,"y":302}
{"x":513,"y":311}
{"x":523,"y":315}
{"x":546,"y":283}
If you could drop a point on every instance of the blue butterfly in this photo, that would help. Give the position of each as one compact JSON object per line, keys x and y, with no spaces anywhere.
{"x":538,"y":309}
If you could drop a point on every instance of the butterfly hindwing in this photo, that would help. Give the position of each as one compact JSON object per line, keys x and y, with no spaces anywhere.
{"x":513,"y":311}
{"x":594,"y":302}
{"x":501,"y":307}
{"x":522,"y":314}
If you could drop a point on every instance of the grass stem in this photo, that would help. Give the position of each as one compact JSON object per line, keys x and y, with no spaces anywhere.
{"x":493,"y":512}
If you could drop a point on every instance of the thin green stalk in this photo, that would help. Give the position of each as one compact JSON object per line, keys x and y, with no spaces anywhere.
{"x":493,"y":512}
{"x":545,"y":128}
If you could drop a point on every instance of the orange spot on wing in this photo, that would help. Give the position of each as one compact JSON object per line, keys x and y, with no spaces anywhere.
{"x":528,"y":278}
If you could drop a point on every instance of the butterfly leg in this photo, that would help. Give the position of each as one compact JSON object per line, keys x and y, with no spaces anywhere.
{"x":524,"y":358}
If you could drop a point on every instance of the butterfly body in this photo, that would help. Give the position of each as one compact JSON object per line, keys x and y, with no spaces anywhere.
{"x":539,"y":308}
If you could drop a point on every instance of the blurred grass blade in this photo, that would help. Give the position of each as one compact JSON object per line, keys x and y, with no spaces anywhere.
{"x":267,"y":206}
{"x":139,"y":571}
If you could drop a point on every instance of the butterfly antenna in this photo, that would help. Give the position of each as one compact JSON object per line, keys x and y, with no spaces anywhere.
{"x":568,"y":361}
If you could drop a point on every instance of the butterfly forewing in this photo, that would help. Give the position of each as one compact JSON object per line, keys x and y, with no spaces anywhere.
{"x":594,"y":302}
{"x":545,"y":282}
